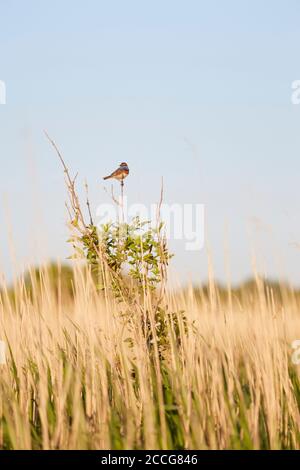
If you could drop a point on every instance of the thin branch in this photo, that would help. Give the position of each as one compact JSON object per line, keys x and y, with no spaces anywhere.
{"x":112,"y":195}
{"x":162,"y":242}
{"x":60,"y":157}
{"x":68,"y":210}
{"x":74,"y":200}
{"x":88,"y":202}
{"x":160,"y":201}
{"x":122,"y":199}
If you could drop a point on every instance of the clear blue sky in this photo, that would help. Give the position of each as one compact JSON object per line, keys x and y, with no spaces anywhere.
{"x":197,"y":91}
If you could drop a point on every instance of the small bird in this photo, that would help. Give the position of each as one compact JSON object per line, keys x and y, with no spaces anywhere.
{"x":119,"y":174}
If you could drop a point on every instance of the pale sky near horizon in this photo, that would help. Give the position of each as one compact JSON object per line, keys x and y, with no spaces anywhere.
{"x":198,"y":92}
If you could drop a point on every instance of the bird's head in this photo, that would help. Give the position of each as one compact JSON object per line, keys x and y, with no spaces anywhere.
{"x":123,"y":164}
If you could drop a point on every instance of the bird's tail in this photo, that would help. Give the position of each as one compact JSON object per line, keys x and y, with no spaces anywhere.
{"x":107,"y":177}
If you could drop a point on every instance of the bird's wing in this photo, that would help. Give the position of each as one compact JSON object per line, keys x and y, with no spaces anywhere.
{"x":117,"y":172}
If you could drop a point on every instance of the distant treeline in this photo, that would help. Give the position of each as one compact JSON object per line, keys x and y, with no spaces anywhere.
{"x":60,"y":280}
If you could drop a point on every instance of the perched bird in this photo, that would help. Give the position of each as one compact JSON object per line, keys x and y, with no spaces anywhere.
{"x":119,"y":174}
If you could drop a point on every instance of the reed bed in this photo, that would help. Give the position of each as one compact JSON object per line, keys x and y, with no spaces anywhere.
{"x":80,"y":374}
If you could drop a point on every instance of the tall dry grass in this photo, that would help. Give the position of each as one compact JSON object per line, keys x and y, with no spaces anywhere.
{"x":79,"y":374}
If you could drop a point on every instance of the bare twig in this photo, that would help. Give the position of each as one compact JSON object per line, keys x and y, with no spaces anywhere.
{"x":160,"y":201}
{"x":88,"y":202}
{"x":68,"y":210}
{"x":122,"y":199}
{"x":120,"y":202}
{"x":74,"y":200}
{"x":112,"y":195}
{"x":162,"y":243}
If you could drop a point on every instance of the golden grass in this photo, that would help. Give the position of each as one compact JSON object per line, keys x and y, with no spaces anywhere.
{"x":79,"y":374}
